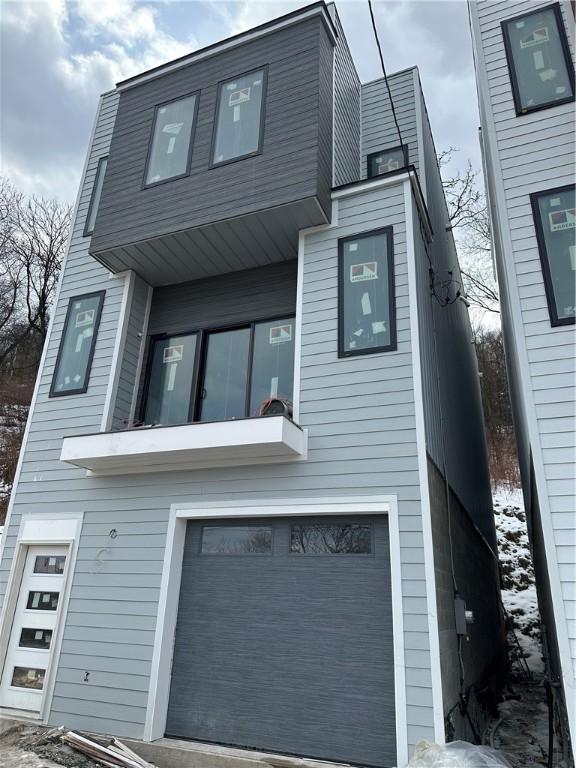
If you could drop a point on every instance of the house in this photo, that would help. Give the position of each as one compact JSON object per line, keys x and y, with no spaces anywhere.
{"x":525,"y":73}
{"x":253,"y":505}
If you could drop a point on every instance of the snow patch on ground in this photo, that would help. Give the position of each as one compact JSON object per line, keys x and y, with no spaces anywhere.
{"x":518,"y":588}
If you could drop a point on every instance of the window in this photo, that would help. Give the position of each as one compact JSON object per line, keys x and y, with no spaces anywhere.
{"x":42,"y":601}
{"x":239,"y":117}
{"x":555,"y":220}
{"x":49,"y":564}
{"x":539,"y":60}
{"x":236,"y":540}
{"x":212,"y":375}
{"x":76,"y":350}
{"x":387,"y":161}
{"x":26,"y":677}
{"x":331,"y":539}
{"x":366,"y":321}
{"x":95,"y":198}
{"x":170,"y":381}
{"x":35,"y":638}
{"x":170,"y":151}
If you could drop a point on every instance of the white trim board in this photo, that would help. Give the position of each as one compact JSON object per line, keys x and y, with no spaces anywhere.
{"x":433,"y":633}
{"x":41,"y":529}
{"x":159,"y":690}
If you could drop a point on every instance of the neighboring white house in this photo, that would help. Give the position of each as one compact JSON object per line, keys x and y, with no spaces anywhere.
{"x":525,"y":71}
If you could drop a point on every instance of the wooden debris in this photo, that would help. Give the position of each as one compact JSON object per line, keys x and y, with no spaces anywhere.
{"x":107,"y":752}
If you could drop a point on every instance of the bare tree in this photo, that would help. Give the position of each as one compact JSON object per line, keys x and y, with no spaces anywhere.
{"x":468,"y":213}
{"x":33,"y":235}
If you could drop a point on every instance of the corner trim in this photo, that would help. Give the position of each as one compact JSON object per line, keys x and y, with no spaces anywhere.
{"x":434,"y":638}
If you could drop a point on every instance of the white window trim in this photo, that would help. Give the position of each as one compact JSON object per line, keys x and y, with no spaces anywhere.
{"x":46,"y":529}
{"x":159,"y":690}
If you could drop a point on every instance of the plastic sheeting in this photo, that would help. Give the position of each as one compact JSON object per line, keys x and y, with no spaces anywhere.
{"x":457,"y":754}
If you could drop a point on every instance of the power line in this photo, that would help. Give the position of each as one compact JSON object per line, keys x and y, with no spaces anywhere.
{"x":384,"y":70}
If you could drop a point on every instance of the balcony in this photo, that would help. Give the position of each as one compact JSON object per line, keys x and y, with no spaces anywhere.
{"x":264,"y":440}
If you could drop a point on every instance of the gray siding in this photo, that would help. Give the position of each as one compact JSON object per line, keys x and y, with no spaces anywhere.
{"x":378,"y":127}
{"x":474,"y":567}
{"x":360,"y":414}
{"x":451,"y":385}
{"x":241,"y":297}
{"x":347,"y":160}
{"x":368,"y":411}
{"x":528,"y":154}
{"x":296,"y":161}
{"x":131,"y":355}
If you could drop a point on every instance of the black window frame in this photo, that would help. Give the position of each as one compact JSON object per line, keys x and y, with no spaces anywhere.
{"x":199,"y":367}
{"x":555,"y":321}
{"x":152,"y":184}
{"x":520,"y":111}
{"x":402,"y":147}
{"x":393,"y":346}
{"x":80,"y":390}
{"x":264,"y":69}
{"x":88,"y":232}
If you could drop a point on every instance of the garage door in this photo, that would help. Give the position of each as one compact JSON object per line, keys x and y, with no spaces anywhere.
{"x":284,"y":638}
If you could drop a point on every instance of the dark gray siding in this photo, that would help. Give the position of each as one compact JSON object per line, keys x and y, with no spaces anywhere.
{"x":129,"y":365}
{"x":291,"y":167}
{"x":347,"y":166}
{"x":378,"y":126}
{"x":227,"y":300}
{"x":474,"y":568}
{"x":454,"y":422}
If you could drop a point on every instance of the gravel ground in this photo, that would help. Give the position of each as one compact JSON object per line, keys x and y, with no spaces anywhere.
{"x":19,"y":748}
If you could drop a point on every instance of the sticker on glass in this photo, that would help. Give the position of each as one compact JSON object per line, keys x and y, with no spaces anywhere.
{"x":565,"y":219}
{"x":173,"y":128}
{"x":366,"y":306}
{"x":85,"y":318}
{"x":239,"y":97}
{"x":379,"y":326}
{"x":537,"y":37}
{"x":173,"y":354}
{"x":366,"y":271}
{"x":280,"y":333}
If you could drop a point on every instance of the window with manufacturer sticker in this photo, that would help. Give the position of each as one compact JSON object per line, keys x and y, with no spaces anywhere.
{"x":28,"y":677}
{"x":218,"y":374}
{"x":77,"y":345}
{"x":366,"y":321}
{"x":240,"y":105}
{"x":555,"y":221}
{"x":387,"y":161}
{"x":42,"y":601}
{"x":539,"y":59}
{"x":171,"y":143}
{"x":53,"y":564}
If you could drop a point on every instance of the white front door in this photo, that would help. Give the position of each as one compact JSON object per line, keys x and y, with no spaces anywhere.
{"x":34,"y":628}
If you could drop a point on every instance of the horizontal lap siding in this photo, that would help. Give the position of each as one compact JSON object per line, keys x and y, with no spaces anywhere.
{"x":110,"y":624}
{"x":368,"y":412}
{"x":346,"y":112}
{"x":378,"y":126}
{"x":291,"y":166}
{"x":535,"y":153}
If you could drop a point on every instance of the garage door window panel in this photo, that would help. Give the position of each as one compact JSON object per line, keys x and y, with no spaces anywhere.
{"x":331,"y":539}
{"x":236,"y":540}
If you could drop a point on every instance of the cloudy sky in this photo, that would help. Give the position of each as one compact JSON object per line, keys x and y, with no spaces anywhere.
{"x":58,"y":56}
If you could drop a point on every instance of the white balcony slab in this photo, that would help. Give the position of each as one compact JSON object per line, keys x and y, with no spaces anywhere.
{"x":264,"y":440}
